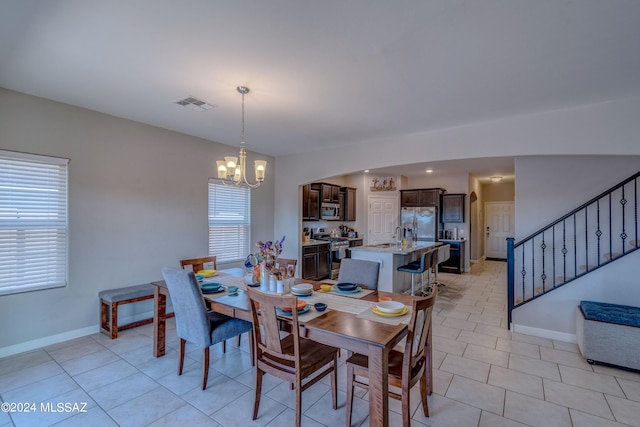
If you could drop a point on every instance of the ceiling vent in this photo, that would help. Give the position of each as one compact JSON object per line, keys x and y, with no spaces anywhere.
{"x":194,"y":103}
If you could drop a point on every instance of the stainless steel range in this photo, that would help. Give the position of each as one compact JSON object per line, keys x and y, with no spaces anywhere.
{"x":338,"y":249}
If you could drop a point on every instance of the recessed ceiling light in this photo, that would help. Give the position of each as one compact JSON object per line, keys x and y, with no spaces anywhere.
{"x":366,"y":171}
{"x":495,"y":178}
{"x":429,"y":171}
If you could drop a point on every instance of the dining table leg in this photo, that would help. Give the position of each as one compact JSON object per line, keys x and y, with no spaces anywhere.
{"x":159,"y":322}
{"x":378,"y":386}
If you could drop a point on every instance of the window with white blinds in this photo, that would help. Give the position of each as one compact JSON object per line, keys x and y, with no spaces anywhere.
{"x":33,"y":222}
{"x":229,"y":222}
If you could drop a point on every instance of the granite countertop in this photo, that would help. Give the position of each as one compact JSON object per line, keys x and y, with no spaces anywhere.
{"x":312,"y":242}
{"x":391,"y":248}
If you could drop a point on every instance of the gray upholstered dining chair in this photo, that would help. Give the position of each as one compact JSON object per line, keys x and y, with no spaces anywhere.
{"x":360,"y":272}
{"x":194,"y":323}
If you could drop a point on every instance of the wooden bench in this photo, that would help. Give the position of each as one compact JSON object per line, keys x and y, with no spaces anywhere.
{"x":609,"y":333}
{"x":112,"y":298}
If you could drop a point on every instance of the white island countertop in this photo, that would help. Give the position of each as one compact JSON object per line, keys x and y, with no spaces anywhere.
{"x":390,"y":258}
{"x":391,"y":248}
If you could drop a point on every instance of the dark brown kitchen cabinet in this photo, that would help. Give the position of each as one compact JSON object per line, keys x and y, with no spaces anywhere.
{"x":315,"y":262}
{"x":310,"y":202}
{"x":429,"y":198}
{"x":348,"y":203}
{"x":452,"y":208}
{"x":323,"y":262}
{"x":409,"y":198}
{"x":420,"y":198}
{"x":330,"y":193}
{"x":455,"y":263}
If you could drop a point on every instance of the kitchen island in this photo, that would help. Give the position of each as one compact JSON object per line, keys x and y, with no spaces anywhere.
{"x":390,"y":258}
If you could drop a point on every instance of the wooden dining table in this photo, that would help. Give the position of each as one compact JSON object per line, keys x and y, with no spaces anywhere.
{"x":336,"y":328}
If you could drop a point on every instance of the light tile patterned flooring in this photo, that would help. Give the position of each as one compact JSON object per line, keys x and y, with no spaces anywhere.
{"x":483,"y":374}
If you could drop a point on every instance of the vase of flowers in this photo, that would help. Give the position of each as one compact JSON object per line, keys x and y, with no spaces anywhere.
{"x":268,"y":259}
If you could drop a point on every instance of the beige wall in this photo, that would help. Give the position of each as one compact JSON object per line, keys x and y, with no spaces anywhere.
{"x":498,"y":192}
{"x":137,"y":202}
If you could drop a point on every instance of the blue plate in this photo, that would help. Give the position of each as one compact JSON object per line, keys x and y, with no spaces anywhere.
{"x":355,"y":291}
{"x":347,"y":287}
{"x":211,"y":287}
{"x":301,"y":294}
{"x":288,"y":313}
{"x":213,"y":291}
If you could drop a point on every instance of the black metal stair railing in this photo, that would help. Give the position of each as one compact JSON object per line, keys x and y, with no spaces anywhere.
{"x":587,"y":238}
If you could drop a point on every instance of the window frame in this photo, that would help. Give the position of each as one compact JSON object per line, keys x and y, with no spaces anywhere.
{"x":221,"y":195}
{"x":34,"y":246}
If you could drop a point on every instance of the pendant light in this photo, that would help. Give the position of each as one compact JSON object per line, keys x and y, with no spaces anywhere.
{"x":233,"y":169}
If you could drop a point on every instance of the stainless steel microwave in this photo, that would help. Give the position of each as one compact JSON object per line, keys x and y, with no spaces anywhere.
{"x":330,"y":211}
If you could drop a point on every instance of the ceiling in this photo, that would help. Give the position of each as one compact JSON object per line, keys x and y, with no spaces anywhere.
{"x":321,"y":74}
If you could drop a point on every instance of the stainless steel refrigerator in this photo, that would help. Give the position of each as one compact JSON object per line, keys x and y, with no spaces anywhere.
{"x":420,"y":223}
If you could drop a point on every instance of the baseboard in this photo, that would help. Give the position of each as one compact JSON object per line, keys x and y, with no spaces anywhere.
{"x":544,"y":333}
{"x":46,"y":341}
{"x":65,"y":336}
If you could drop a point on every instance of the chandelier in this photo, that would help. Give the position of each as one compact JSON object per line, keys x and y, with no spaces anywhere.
{"x":230,"y":170}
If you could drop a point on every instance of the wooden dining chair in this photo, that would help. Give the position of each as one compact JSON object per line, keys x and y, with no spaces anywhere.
{"x":287,"y":264}
{"x":194,"y":323}
{"x":405,"y":367}
{"x":292,"y":358}
{"x":197,"y":264}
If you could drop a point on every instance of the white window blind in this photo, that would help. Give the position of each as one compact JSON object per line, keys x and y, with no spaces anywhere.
{"x":229,"y":222}
{"x":33,"y":222}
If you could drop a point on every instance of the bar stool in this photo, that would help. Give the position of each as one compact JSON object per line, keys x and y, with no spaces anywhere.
{"x":419,"y":267}
{"x":442,"y":254}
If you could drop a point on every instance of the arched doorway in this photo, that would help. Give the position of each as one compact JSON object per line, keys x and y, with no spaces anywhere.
{"x":474,"y":231}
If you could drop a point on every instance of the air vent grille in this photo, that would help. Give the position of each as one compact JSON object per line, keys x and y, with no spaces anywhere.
{"x":194,"y":103}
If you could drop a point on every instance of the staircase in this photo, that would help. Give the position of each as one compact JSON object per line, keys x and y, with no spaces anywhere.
{"x":591,"y":236}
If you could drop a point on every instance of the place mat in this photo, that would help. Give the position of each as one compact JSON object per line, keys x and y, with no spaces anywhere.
{"x":226,"y":280}
{"x":309,"y":315}
{"x":339,"y":302}
{"x":391,"y":320}
{"x":361,"y":294}
{"x":238,"y":300}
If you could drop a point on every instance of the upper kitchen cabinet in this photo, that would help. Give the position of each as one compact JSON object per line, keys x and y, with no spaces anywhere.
{"x":330,"y":193}
{"x":452,"y":208}
{"x":310,"y":202}
{"x":348,"y":203}
{"x":420,"y":198}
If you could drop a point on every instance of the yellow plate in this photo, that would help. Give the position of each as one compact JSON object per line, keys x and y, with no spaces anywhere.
{"x":207,"y":273}
{"x":402,"y":312}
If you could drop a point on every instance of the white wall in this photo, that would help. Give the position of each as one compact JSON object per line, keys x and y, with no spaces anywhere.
{"x":138,"y":193}
{"x":605,"y":128}
{"x":137,"y":202}
{"x":539,"y":201}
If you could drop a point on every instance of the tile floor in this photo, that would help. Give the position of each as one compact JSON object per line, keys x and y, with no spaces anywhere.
{"x":484,"y":376}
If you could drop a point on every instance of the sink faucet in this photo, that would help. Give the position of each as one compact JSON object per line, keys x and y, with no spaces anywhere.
{"x":398,"y":233}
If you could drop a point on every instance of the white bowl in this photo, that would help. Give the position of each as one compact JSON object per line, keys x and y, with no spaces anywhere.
{"x":390,"y":307}
{"x":302,"y":287}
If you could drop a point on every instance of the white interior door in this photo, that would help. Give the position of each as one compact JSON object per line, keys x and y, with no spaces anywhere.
{"x":499,"y":224}
{"x":383,"y":219}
